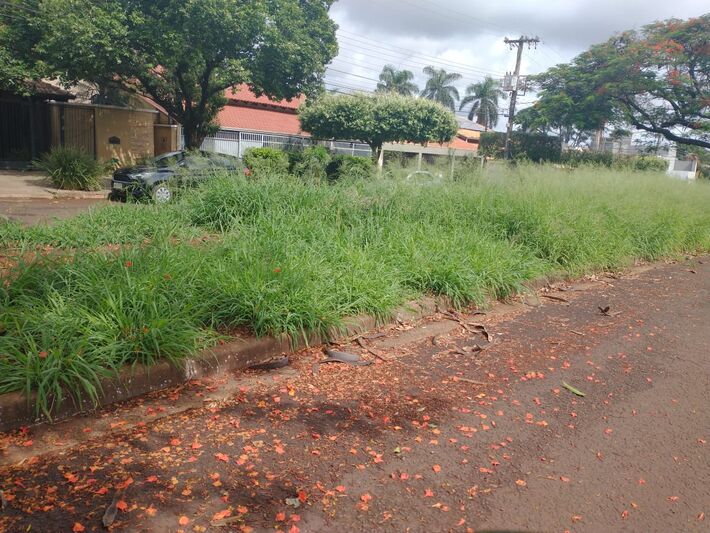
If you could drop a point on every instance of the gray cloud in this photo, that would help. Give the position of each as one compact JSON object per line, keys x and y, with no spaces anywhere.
{"x":569,"y":24}
{"x":466,"y":36}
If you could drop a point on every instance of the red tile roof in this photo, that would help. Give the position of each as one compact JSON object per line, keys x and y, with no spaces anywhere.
{"x":456,"y":144}
{"x":262,"y":120}
{"x":246,"y":111}
{"x":241,"y":94}
{"x":460,"y":144}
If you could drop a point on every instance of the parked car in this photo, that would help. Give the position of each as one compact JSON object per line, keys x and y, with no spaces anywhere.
{"x":163,"y":176}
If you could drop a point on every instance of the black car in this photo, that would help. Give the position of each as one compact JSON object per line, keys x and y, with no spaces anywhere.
{"x":162,"y":176}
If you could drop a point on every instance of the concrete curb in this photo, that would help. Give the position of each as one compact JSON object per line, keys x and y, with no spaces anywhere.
{"x":56,"y":194}
{"x":17,"y":410}
{"x":80,"y":195}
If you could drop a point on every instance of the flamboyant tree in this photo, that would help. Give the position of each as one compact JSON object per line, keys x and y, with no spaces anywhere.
{"x":656,"y":79}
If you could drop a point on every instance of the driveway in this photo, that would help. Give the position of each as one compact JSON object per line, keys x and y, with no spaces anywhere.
{"x":34,"y":211}
{"x":25,"y":185}
{"x":574,"y":419}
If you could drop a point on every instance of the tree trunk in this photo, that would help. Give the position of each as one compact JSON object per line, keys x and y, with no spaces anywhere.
{"x":194,"y":136}
{"x":378,"y":155}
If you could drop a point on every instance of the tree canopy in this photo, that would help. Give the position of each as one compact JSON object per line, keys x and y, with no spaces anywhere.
{"x":185,"y":54}
{"x":483,"y":99}
{"x":397,"y":81}
{"x":440,"y":87}
{"x":17,"y":64}
{"x":377,"y":119}
{"x":656,"y":79}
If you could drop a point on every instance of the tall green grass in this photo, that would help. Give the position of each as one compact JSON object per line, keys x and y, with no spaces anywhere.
{"x":293,"y":257}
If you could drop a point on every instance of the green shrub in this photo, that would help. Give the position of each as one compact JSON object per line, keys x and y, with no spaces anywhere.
{"x":69,"y":322}
{"x":263,"y":162}
{"x":575,"y":158}
{"x":71,"y":169}
{"x":309,"y":164}
{"x":467,"y":168}
{"x":535,"y":147}
{"x":642,"y":163}
{"x":350,"y":167}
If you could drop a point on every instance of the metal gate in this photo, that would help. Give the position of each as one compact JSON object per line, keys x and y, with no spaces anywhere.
{"x":15,"y":133}
{"x":24,"y":131}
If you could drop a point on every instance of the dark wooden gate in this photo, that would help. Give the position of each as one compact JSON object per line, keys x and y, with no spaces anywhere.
{"x":75,"y":127}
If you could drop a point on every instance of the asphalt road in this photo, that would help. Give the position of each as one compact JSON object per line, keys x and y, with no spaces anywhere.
{"x":441,"y":437}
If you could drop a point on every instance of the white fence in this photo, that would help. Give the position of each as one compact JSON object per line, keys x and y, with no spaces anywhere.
{"x":683,"y":169}
{"x":235,"y":143}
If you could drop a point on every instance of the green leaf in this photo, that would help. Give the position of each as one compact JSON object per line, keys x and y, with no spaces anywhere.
{"x":573,"y":390}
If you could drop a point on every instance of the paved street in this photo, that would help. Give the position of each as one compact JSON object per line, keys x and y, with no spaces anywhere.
{"x":442,"y":436}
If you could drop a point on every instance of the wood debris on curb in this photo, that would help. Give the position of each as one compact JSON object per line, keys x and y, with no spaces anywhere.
{"x":369,"y":350}
{"x":466,"y":380}
{"x":556,"y":298}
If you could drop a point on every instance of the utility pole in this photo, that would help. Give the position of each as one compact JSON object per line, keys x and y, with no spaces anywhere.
{"x":515,"y":84}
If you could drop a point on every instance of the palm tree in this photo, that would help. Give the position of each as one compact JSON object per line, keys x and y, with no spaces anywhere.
{"x":483,"y":97}
{"x":439,"y":87}
{"x":397,"y":81}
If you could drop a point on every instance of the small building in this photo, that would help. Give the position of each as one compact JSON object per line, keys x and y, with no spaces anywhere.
{"x":470,"y":132}
{"x":32,"y":125}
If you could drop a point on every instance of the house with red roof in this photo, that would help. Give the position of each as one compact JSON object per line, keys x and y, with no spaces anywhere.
{"x":250,"y":121}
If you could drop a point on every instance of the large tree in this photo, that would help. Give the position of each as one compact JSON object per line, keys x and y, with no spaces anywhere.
{"x":18,"y":64}
{"x":184,"y":54}
{"x":483,"y":98}
{"x":656,"y":79}
{"x":569,"y":104}
{"x":397,"y":81}
{"x":440,"y":87}
{"x":544,"y":118}
{"x":377,"y":119}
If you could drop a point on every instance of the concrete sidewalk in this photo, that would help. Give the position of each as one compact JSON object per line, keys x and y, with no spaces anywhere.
{"x":18,"y":184}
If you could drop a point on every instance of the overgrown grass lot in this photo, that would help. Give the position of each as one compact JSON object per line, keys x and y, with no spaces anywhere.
{"x":284,"y":256}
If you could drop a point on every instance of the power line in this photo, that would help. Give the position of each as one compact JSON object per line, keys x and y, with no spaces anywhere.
{"x":397,"y":61}
{"x":353,"y":75}
{"x":439,"y":14}
{"x":355,"y":58}
{"x":443,"y":16}
{"x":477,"y":20}
{"x":378,"y":45}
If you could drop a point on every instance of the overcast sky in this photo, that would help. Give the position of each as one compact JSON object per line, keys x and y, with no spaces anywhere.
{"x":466,"y":36}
